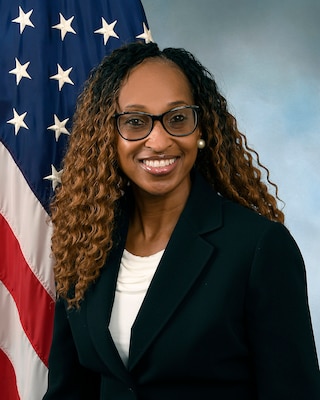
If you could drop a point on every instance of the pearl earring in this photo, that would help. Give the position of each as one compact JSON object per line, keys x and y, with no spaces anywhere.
{"x":201,"y":144}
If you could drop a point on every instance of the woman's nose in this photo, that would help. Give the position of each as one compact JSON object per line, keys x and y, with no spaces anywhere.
{"x":158,"y":139}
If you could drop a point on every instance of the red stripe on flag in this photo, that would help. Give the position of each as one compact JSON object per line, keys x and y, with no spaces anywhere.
{"x":35,"y":305}
{"x":8,"y":383}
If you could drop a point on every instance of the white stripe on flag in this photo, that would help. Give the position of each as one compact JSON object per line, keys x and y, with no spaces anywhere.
{"x":29,"y":369}
{"x":27,"y":219}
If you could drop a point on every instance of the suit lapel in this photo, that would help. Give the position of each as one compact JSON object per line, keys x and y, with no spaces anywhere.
{"x":184,"y":259}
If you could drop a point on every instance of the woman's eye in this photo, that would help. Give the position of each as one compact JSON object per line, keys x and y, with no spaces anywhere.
{"x":135,"y":122}
{"x":177,"y":118}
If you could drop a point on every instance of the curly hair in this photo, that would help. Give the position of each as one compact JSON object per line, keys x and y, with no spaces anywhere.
{"x":85,"y":205}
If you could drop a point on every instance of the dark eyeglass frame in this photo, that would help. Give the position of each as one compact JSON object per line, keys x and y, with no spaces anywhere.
{"x":158,"y":118}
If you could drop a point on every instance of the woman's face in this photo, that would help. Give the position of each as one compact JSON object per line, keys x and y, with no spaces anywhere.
{"x":159,"y":164}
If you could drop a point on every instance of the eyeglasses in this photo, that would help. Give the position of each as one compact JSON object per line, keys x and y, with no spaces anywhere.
{"x":137,"y":125}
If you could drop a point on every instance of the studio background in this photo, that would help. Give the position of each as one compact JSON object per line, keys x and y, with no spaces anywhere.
{"x":265,"y":57}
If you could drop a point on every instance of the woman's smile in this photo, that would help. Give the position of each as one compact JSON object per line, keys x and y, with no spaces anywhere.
{"x":159,"y":166}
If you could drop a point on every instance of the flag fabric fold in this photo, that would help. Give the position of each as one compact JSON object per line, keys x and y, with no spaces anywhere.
{"x":47,"y":51}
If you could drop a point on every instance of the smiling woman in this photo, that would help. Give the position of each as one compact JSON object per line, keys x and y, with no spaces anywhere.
{"x":176,"y":277}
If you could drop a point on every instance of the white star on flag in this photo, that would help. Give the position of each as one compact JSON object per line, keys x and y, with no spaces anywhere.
{"x":59,"y":127}
{"x":23,"y":19}
{"x":146,"y":35}
{"x":18,"y":121}
{"x":107,"y":30}
{"x":64,"y":26}
{"x":20,"y":71}
{"x":62,"y":76}
{"x":55,"y":177}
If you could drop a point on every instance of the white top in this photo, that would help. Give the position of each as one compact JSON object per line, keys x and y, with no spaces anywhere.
{"x":135,"y":275}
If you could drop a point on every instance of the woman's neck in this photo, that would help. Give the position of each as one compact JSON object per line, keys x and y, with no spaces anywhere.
{"x":152,"y":222}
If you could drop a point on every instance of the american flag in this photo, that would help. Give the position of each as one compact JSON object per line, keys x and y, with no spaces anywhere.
{"x":47,"y":49}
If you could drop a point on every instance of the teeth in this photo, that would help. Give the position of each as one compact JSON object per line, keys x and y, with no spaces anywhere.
{"x":159,"y":163}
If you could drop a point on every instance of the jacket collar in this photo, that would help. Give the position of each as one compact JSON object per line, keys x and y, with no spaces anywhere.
{"x":185,"y":257}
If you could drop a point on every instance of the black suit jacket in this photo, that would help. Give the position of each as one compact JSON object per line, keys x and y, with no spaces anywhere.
{"x":225,"y":318}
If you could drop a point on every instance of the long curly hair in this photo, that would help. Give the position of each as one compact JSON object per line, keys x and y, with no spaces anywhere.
{"x":85,"y":205}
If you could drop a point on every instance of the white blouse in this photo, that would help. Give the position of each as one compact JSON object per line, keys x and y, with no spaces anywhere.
{"x":135,"y":275}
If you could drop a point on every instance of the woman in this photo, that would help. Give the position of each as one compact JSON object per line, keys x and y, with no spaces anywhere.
{"x":176,"y":277}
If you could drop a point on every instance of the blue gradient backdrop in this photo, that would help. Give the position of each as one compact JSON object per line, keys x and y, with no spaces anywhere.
{"x":265,"y":56}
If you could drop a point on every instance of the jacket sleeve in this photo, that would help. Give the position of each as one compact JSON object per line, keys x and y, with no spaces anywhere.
{"x":278,"y":320}
{"x":67,"y":379}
